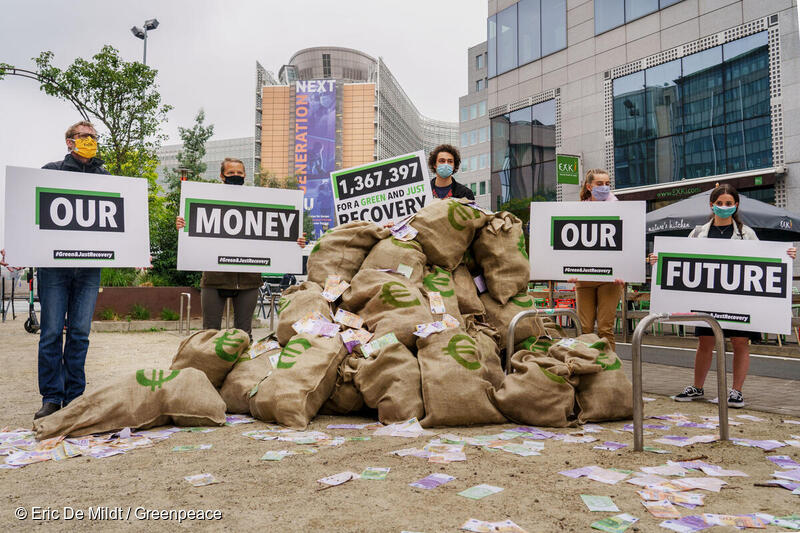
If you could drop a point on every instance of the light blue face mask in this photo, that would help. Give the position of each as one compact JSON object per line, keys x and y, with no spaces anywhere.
{"x":444,"y":170}
{"x":723,"y":212}
{"x":601,"y":192}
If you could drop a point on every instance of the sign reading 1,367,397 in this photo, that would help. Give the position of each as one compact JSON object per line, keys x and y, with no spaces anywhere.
{"x":590,"y":241}
{"x":383,"y":191}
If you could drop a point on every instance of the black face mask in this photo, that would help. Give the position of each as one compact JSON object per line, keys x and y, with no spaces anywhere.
{"x":234,"y":180}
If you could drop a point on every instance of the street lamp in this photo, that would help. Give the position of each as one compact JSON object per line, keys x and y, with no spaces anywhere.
{"x":139,"y":33}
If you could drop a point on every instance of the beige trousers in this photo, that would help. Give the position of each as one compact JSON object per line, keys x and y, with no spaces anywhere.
{"x":597,"y":300}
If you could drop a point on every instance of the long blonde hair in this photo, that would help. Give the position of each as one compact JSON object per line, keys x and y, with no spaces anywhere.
{"x":589,"y":178}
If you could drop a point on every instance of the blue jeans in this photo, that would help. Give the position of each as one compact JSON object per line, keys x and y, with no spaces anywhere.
{"x":65,"y":293}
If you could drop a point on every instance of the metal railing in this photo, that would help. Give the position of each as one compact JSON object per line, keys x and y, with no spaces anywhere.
{"x":536,"y":312}
{"x":188,"y":300}
{"x":636,"y":360}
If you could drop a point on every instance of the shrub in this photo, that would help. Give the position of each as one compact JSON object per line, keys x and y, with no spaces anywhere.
{"x":169,"y":314}
{"x":108,"y":314}
{"x":117,"y":277}
{"x":139,"y":312}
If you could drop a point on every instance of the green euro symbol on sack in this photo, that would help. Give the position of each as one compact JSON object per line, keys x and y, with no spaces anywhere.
{"x":437,"y":281}
{"x":459,"y":210}
{"x":602,"y":360}
{"x":154,"y":381}
{"x":521,"y":246}
{"x":292,"y":349}
{"x":396,"y":294}
{"x":457,"y":350}
{"x":553,"y":377}
{"x":413,"y":245}
{"x":222,"y":342}
{"x":522,"y":300}
{"x":283,"y":303}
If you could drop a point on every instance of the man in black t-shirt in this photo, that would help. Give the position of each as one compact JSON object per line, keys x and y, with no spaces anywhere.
{"x":443,"y":162}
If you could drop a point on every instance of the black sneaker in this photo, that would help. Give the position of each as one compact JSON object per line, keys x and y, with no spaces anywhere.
{"x":735,"y":399}
{"x":689,"y":393}
{"x":48,"y":408}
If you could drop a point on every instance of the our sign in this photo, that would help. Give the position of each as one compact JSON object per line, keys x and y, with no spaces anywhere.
{"x":590,"y":241}
{"x":55,"y":218}
{"x":568,"y":169}
{"x":745,"y":285}
{"x":233,"y":228}
{"x":383,"y":191}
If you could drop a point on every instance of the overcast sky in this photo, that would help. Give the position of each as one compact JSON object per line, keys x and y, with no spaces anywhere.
{"x":205,"y":52}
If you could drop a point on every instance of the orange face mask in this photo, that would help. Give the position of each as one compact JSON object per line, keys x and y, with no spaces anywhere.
{"x":86,"y":147}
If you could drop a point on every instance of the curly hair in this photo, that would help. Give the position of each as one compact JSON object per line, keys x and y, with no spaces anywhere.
{"x":450,"y":149}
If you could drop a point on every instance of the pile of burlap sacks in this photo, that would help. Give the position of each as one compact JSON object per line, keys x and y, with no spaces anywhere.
{"x":449,"y":378}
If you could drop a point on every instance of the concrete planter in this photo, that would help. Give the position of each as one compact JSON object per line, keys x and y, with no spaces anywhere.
{"x":122,"y":299}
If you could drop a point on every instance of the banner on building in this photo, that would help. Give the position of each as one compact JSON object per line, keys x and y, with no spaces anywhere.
{"x":590,"y":241}
{"x":315,"y":148}
{"x":745,"y":285}
{"x":568,"y":169}
{"x":383,"y":191}
{"x":54,"y":218}
{"x":234,"y":228}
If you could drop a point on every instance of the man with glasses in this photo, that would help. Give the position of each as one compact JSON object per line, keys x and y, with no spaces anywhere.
{"x":67,"y":296}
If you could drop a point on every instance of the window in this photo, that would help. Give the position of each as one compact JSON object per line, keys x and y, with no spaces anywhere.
{"x":473,"y":162}
{"x":483,"y":133}
{"x":483,"y":187}
{"x":473,"y":137}
{"x":473,"y":111}
{"x":326,"y":65}
{"x":554,"y":25}
{"x":523,"y":154}
{"x":525,"y":32}
{"x":465,"y":139}
{"x":472,"y":188}
{"x":464,"y":114}
{"x":609,"y":14}
{"x":702,"y":115}
{"x":484,"y":161}
{"x":479,"y":85}
{"x":479,"y":61}
{"x":482,"y":108}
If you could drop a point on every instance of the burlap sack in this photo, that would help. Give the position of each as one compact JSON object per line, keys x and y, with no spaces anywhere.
{"x":389,"y":380}
{"x":446,"y":229}
{"x":244,"y":375}
{"x":454,"y":391}
{"x":486,"y":338}
{"x":301,"y":383}
{"x":581,"y":353}
{"x":606,"y":395}
{"x":295,"y":303}
{"x":391,"y":253}
{"x":469,"y":303}
{"x":142,"y":399}
{"x":499,"y":249}
{"x":440,"y":280}
{"x":214,"y":352}
{"x":536,"y":393}
{"x":342,"y":250}
{"x":388,"y":303}
{"x":499,"y":316}
{"x":345,"y":397}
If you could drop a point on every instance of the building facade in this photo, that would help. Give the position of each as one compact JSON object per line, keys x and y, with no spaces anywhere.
{"x":216,"y":152}
{"x":331,"y":108}
{"x":670,"y":96}
{"x":473,"y":128}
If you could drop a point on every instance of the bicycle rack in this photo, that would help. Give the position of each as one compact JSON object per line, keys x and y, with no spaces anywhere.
{"x":536,"y":312}
{"x":227,"y":313}
{"x":636,"y":360}
{"x":188,"y":300}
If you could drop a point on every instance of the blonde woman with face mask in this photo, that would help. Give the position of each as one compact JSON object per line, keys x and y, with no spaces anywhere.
{"x":597,"y":300}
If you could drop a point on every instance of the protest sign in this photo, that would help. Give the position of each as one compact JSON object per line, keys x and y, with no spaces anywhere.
{"x":591,"y":241}
{"x":55,"y":218}
{"x":745,"y":285}
{"x":383,"y":191}
{"x":233,"y":228}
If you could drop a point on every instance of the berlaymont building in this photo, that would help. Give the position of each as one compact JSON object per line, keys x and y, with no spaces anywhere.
{"x":671,"y":96}
{"x":330,"y":108}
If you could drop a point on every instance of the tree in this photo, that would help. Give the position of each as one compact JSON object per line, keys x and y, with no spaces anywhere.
{"x":163,"y":235}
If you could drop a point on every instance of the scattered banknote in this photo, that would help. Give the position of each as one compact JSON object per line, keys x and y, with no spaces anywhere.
{"x":334,"y":287}
{"x":405,"y":270}
{"x":267,"y":344}
{"x":791,"y":475}
{"x":610,"y":445}
{"x":425,"y":330}
{"x":403,"y":232}
{"x":372,"y":347}
{"x":599,"y":503}
{"x":661,"y":509}
{"x":432,"y":481}
{"x":783,"y":461}
{"x":233,"y":420}
{"x":766,"y":445}
{"x":353,"y":426}
{"x":479,"y":526}
{"x":276,"y":455}
{"x":615,"y":524}
{"x":200,"y":480}
{"x":436,"y":302}
{"x":191,"y":447}
{"x":686,"y":524}
{"x":338,"y":479}
{"x":375,"y":473}
{"x":345,"y":318}
{"x":678,"y":440}
{"x":354,"y":337}
{"x":665,"y":470}
{"x":737,"y":521}
{"x":480,"y":491}
{"x":678,"y":497}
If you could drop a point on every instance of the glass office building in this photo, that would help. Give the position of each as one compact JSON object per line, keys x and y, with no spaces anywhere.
{"x":671,"y":97}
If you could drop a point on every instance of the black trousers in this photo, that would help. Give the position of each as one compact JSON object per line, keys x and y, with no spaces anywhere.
{"x":244,"y":305}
